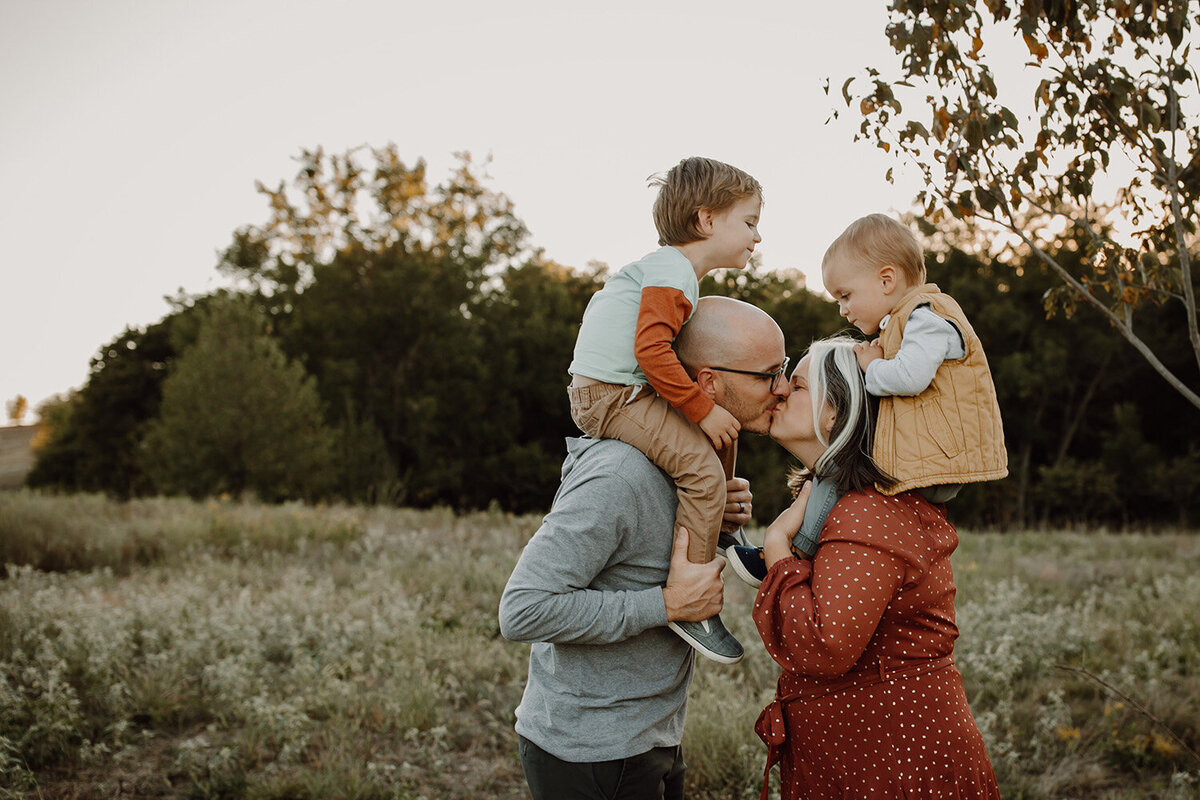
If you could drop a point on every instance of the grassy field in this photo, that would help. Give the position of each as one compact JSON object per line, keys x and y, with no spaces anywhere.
{"x":16,"y":454}
{"x":174,"y":649}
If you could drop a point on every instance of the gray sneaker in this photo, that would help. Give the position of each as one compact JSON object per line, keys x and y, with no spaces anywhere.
{"x":727,"y":540}
{"x":711,"y":639}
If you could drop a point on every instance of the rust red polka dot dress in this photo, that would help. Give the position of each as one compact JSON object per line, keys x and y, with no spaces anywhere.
{"x":869,"y":703}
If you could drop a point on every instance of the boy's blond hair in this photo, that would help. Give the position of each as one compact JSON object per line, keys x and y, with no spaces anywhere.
{"x":877,"y":240}
{"x":691,"y":185}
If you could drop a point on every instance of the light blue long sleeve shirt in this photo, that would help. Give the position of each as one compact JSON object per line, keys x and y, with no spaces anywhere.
{"x":928,"y":341}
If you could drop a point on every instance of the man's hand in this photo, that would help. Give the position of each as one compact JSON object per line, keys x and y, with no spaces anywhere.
{"x":738,"y":508}
{"x":694,"y":592}
{"x":720,"y":427}
{"x":867,"y":352}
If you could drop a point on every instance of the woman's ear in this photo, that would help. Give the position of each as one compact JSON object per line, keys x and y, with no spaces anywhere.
{"x":828,"y":417}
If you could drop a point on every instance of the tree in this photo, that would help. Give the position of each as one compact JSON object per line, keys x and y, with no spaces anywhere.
{"x":377,"y":280}
{"x":93,"y":436}
{"x":1117,"y":100}
{"x":236,"y":415}
{"x":17,"y":408}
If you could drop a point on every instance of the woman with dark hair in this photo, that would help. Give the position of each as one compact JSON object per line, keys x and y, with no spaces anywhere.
{"x":869,"y":703}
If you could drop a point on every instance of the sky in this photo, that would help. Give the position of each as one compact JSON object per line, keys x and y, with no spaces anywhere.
{"x":132,"y":133}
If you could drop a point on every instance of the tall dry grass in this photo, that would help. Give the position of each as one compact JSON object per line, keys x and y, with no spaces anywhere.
{"x":217,"y":650}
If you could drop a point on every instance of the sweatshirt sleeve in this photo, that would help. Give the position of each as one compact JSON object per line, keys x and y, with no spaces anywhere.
{"x":661,"y":315}
{"x":548,"y":596}
{"x":928,"y":341}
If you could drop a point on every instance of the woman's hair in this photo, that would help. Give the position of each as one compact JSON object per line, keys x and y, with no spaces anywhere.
{"x":834,"y":379}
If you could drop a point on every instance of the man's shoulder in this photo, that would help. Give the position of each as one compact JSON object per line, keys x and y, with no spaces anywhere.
{"x":614,"y":462}
{"x":616,"y":476}
{"x":607,"y":456}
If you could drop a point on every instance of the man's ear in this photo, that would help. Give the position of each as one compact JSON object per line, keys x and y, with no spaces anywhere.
{"x":887,"y":276}
{"x":706,"y":379}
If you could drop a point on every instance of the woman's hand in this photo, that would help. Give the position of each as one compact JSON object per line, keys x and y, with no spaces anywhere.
{"x":777,"y":541}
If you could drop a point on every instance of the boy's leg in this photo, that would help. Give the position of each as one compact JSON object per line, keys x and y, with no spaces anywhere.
{"x":727,"y":539}
{"x":675,"y":445}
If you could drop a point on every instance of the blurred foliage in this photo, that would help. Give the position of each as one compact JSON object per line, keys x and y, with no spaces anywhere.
{"x":437,"y":341}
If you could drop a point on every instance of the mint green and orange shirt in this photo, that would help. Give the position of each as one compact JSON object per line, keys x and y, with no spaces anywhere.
{"x":630,"y":325}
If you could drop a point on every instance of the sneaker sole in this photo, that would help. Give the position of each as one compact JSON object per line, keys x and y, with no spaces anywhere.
{"x":741,"y":539}
{"x":701,"y":649}
{"x":736,"y":565}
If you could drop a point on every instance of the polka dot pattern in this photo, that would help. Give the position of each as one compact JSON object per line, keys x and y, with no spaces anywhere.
{"x":869,"y":703}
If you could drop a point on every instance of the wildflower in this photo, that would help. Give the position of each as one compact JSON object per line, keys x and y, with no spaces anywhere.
{"x":1066,"y":734}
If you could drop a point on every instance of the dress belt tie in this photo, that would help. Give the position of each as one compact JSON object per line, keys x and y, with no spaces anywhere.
{"x":770,"y":726}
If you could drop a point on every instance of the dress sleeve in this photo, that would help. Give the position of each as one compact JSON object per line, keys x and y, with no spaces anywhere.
{"x":661,"y":315}
{"x":817,"y":617}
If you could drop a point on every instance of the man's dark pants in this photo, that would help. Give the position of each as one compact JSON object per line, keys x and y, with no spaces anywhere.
{"x":654,"y":775}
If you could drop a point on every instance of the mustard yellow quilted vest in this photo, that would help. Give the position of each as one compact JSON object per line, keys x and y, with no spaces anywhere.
{"x":951,"y":432}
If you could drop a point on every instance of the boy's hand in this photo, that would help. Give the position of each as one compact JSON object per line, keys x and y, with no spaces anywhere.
{"x":720,"y":427}
{"x":867,"y":352}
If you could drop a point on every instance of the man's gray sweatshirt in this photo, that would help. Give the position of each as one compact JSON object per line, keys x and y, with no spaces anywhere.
{"x":607,"y":678}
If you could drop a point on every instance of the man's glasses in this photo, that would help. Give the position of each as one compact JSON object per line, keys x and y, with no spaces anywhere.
{"x":773,"y":376}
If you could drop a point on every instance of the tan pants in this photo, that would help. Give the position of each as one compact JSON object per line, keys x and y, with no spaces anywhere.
{"x":675,"y":445}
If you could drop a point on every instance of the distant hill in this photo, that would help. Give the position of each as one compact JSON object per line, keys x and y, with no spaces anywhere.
{"x":16,"y":455}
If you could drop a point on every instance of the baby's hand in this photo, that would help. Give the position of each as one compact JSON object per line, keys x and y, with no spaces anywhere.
{"x":720,"y":427}
{"x":867,"y":352}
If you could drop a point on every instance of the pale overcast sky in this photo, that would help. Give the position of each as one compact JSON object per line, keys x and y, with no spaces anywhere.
{"x":132,"y":132}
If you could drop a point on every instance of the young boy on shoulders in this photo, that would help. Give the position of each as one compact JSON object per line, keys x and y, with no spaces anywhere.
{"x":627,"y":382}
{"x":938,"y":425}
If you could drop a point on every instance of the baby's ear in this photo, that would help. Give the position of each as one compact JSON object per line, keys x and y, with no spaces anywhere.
{"x":887,"y":277}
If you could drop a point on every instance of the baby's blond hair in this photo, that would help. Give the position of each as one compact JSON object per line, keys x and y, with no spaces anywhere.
{"x":877,"y":240}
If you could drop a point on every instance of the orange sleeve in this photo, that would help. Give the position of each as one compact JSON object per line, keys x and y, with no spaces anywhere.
{"x":661,"y":315}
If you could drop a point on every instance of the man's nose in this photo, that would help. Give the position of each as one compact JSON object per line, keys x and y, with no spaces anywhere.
{"x":783,"y":389}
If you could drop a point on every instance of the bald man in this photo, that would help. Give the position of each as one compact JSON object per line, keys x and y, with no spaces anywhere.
{"x":596,"y":587}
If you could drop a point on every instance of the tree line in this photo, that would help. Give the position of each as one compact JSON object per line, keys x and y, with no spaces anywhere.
{"x":391,"y":340}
